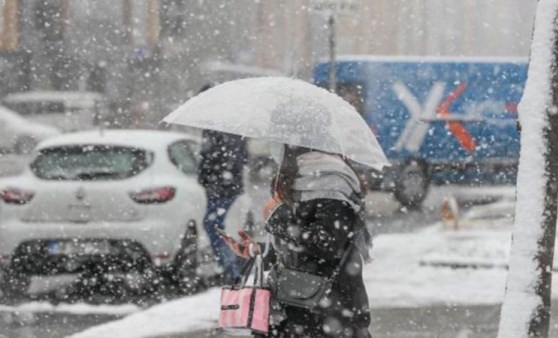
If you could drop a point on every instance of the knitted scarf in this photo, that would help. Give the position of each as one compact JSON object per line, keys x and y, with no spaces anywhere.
{"x":328,"y":176}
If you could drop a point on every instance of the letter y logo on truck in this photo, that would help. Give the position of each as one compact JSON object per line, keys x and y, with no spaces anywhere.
{"x":434,"y":109}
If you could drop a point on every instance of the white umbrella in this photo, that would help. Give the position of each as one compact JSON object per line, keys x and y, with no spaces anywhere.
{"x":284,"y":110}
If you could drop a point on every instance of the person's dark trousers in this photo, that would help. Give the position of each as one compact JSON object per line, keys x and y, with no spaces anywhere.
{"x":217,"y":209}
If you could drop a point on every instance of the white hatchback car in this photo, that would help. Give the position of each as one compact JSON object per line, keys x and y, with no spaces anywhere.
{"x":121,"y":199}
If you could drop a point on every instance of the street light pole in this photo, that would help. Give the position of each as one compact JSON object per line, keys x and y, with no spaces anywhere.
{"x":332,"y":68}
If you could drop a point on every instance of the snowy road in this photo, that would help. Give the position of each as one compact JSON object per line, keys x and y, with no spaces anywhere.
{"x":47,"y":324}
{"x":384,"y":213}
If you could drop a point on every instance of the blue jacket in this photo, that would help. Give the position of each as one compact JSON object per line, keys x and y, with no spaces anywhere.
{"x":220,"y":170}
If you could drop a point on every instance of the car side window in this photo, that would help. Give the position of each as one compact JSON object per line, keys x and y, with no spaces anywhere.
{"x":182,"y":156}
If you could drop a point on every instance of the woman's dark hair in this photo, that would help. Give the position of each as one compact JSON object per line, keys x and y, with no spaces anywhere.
{"x":288,"y":171}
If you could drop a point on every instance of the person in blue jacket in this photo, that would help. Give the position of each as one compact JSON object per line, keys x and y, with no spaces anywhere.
{"x":220,"y":172}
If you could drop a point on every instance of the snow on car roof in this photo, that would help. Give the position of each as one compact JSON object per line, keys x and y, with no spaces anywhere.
{"x":65,"y":96}
{"x":147,"y":139}
{"x":8,"y":114}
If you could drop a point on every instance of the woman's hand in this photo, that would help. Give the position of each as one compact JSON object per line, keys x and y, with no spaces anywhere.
{"x":247,"y":247}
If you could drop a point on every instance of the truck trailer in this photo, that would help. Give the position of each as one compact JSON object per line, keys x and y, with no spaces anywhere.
{"x":439,"y":120}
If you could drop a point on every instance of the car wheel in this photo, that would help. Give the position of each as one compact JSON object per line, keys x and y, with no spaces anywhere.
{"x":25,"y":145}
{"x":186,"y":263}
{"x":411,"y":185}
{"x":14,"y":284}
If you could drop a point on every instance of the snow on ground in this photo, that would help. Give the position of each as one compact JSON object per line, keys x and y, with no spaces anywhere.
{"x":415,"y":269}
{"x":78,"y":308}
{"x":403,"y":274}
{"x":182,"y":315}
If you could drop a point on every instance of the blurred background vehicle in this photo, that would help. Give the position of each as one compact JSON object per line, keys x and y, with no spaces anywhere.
{"x":66,"y":110}
{"x":123,"y":201}
{"x":20,"y":135}
{"x":440,"y":120}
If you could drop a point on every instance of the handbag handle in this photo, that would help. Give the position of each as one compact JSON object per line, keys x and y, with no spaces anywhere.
{"x":258,"y":273}
{"x":244,"y":273}
{"x":256,"y":265}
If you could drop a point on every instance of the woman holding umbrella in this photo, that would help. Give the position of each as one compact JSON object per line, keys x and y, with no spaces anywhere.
{"x":315,"y":217}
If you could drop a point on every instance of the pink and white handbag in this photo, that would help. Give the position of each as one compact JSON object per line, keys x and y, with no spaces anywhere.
{"x":245,"y":308}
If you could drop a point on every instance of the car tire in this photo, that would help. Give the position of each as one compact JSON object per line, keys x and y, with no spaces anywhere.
{"x":411,"y":185}
{"x":186,"y":263}
{"x":14,"y":284}
{"x":25,"y":145}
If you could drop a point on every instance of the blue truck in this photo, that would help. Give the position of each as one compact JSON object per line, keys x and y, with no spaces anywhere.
{"x":439,"y":120}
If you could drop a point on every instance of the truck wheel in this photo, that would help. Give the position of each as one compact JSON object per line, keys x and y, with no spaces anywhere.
{"x":411,"y":185}
{"x":186,"y":263}
{"x":14,"y":284}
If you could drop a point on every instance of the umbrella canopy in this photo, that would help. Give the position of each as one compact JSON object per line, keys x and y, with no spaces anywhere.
{"x":284,"y":110}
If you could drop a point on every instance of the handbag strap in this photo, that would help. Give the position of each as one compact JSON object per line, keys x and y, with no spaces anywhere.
{"x":361,"y":224}
{"x":256,"y":265}
{"x":258,"y":274}
{"x":244,"y":273}
{"x":346,"y":255}
{"x":342,"y":263}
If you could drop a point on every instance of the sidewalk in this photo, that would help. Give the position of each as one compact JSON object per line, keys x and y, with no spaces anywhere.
{"x":428,"y":322}
{"x":437,"y":282}
{"x":425,"y":322}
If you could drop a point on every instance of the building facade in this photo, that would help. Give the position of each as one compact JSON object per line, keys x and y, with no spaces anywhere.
{"x":148,"y":56}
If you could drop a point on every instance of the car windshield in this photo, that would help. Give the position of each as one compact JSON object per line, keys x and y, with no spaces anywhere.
{"x":90,"y":162}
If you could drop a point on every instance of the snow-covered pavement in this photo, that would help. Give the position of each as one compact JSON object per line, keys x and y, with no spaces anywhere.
{"x":409,"y":270}
{"x":77,"y":309}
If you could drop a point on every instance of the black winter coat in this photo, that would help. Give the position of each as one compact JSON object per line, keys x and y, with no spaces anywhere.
{"x":312,"y":237}
{"x":222,"y":161}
